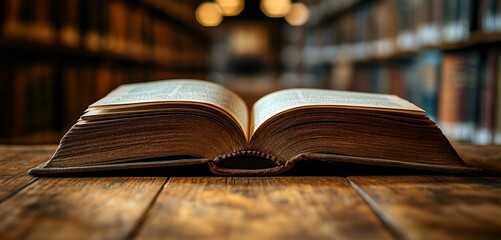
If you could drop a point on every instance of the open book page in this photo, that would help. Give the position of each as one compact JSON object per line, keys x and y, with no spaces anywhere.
{"x":281,"y":101}
{"x":178,"y":91}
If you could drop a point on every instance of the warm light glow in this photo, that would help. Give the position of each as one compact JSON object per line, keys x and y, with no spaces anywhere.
{"x":249,"y":40}
{"x":231,"y":7}
{"x":275,"y":8}
{"x":209,"y":14}
{"x":298,"y":15}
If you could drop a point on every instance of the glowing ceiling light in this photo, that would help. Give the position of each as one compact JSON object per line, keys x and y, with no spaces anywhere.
{"x":298,"y":14}
{"x":275,"y":8}
{"x":231,"y":7}
{"x":209,"y":14}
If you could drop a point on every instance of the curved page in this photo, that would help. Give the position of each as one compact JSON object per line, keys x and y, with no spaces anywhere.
{"x":281,"y":101}
{"x":183,"y":90}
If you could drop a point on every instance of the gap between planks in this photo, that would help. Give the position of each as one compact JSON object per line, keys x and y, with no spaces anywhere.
{"x":385,"y":220}
{"x":262,"y":208}
{"x":13,"y":193}
{"x":135,"y":230}
{"x":434,"y":207}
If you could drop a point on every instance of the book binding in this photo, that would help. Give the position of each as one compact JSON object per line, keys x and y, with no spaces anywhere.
{"x":252,"y":163}
{"x":236,"y":163}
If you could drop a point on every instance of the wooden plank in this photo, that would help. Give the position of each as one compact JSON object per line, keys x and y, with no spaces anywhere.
{"x":15,"y":161}
{"x":78,"y":208}
{"x":435,"y":207}
{"x":487,"y":157}
{"x":261,"y":208}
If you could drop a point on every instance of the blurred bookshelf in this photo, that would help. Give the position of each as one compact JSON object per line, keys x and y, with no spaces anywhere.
{"x":443,"y":55}
{"x":59,"y":56}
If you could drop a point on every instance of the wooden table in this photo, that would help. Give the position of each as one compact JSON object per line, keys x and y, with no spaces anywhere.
{"x":283,"y":207}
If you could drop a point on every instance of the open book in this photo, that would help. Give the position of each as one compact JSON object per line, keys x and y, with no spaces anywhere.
{"x":184,"y":122}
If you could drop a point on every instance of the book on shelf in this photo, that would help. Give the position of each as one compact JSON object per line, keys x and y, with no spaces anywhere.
{"x":489,"y":18}
{"x":190,"y":122}
{"x":452,"y":95}
{"x":27,"y":99}
{"x":497,"y":110}
{"x":468,"y":103}
{"x":93,"y":25}
{"x":488,"y":93}
{"x":28,"y":20}
{"x":69,"y":22}
{"x":429,"y":63}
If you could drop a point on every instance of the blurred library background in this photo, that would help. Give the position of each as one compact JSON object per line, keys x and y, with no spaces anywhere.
{"x":59,"y":56}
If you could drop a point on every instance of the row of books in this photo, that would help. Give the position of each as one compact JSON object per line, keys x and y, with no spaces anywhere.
{"x":458,"y":90}
{"x":328,"y":8}
{"x":83,"y":85}
{"x":42,"y":97}
{"x":489,"y":18}
{"x":180,"y":9}
{"x":376,"y":29}
{"x":128,"y":29}
{"x":62,"y":55}
{"x":27,"y":96}
{"x":490,"y":15}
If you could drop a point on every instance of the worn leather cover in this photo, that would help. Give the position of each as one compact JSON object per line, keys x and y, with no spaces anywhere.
{"x":242,"y":165}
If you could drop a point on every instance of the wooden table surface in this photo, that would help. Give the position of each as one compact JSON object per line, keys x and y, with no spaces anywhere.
{"x":211,"y":207}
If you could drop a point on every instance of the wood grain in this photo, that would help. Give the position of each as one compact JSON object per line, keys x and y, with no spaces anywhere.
{"x":435,"y":207}
{"x":261,"y":208}
{"x":78,"y":208}
{"x":415,"y":207}
{"x":487,"y":157}
{"x":15,"y":161}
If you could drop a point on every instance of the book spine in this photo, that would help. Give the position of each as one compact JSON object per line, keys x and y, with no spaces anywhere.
{"x":93,"y":24}
{"x":483,"y":15}
{"x":248,"y":162}
{"x":412,"y":80}
{"x":497,"y":131}
{"x":489,"y":9}
{"x":498,"y":16}
{"x":6,"y":98}
{"x":44,"y":27}
{"x":397,"y":85}
{"x":472,"y":104}
{"x":19,"y":113}
{"x":429,"y":67}
{"x":405,"y":39}
{"x":452,"y":96}
{"x":69,"y":23}
{"x":485,"y":133}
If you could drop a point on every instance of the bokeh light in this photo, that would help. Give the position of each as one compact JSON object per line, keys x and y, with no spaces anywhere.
{"x":209,"y":14}
{"x":231,"y":7}
{"x":275,"y":8}
{"x":298,"y":14}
